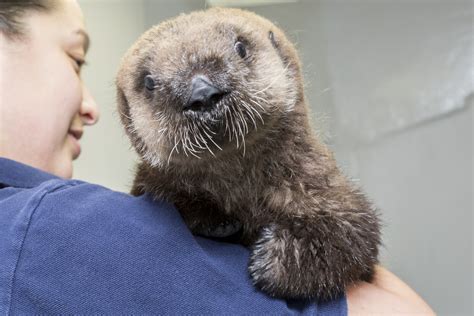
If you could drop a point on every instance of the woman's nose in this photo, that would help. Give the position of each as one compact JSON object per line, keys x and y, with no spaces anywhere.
{"x":89,"y":111}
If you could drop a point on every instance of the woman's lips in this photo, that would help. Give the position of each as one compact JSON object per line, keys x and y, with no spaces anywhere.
{"x":75,"y":135}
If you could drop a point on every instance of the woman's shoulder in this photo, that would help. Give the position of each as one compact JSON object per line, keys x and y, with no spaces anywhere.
{"x":70,"y":246}
{"x":24,"y":184}
{"x":81,"y":203}
{"x":28,"y":195}
{"x":43,"y":207}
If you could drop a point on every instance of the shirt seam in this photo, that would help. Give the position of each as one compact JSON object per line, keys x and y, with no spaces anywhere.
{"x":43,"y":193}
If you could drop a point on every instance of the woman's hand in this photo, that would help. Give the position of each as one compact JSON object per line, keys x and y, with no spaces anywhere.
{"x":387,"y":294}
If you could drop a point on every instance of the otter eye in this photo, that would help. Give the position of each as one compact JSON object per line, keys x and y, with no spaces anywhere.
{"x":149,"y":83}
{"x":240,"y":49}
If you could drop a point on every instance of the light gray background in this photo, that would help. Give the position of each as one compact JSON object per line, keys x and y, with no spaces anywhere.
{"x":390,"y":85}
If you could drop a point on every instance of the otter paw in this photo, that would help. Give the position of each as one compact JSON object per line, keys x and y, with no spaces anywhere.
{"x":288,"y":266}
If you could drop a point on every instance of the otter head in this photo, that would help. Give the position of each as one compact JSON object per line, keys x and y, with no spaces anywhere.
{"x":201,"y":85}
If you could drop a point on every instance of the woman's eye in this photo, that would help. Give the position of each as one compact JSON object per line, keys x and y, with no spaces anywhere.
{"x":150,"y":83}
{"x":240,"y":49}
{"x":79,"y":62}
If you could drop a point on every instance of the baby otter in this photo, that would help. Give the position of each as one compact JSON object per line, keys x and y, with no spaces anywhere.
{"x":213,"y":102}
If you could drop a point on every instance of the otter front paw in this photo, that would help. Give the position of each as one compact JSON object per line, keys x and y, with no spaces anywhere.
{"x":301,"y":265}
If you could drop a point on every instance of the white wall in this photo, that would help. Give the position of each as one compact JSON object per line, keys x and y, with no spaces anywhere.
{"x":390,"y":85}
{"x":113,"y":27}
{"x":401,"y":76}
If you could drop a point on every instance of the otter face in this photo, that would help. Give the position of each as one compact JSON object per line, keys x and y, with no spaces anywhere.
{"x":205,"y":83}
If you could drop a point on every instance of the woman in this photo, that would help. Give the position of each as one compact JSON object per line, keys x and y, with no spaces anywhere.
{"x":40,"y":81}
{"x":71,"y":247}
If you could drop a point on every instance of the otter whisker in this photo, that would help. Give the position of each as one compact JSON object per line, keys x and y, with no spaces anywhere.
{"x":227,"y":121}
{"x":191,"y":130}
{"x":239,"y":126}
{"x":189,"y":142}
{"x":278,"y":77}
{"x":250,"y":99}
{"x":236,"y":133}
{"x":244,"y":121}
{"x":234,"y":130}
{"x":177,"y":142}
{"x":259,"y":102}
{"x":259,"y":116}
{"x":205,"y":142}
{"x":212,"y":153}
{"x":198,"y":143}
{"x":169,"y":157}
{"x":254,"y":111}
{"x":246,"y":131}
{"x":209,"y":130}
{"x":201,"y":137}
{"x":204,"y":130}
{"x":124,"y":115}
{"x":249,"y":114}
{"x":248,"y":111}
{"x":193,"y":152}
{"x":184,"y":142}
{"x":161,"y":133}
{"x":240,"y":121}
{"x":259,"y":98}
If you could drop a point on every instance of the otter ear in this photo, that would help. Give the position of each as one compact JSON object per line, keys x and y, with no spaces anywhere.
{"x":124,"y":112}
{"x":271,"y":37}
{"x":123,"y":108}
{"x":278,"y":48}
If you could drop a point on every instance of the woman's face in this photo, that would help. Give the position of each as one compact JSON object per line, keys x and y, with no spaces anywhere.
{"x":44,"y":104}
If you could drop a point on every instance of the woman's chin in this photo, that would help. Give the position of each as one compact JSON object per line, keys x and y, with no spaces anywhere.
{"x":74,"y":145}
{"x":62,"y":166}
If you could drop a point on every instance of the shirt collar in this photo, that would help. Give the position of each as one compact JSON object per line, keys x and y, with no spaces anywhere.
{"x":16,"y":174}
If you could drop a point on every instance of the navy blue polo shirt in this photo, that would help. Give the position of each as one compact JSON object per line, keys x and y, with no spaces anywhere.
{"x":67,"y":246}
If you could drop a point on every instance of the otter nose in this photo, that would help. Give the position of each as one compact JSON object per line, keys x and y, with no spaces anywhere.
{"x":204,"y":95}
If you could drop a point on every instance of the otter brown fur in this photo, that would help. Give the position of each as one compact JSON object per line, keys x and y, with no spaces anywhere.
{"x":246,"y":151}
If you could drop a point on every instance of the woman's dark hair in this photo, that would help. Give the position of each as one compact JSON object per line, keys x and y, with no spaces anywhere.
{"x":12,"y":12}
